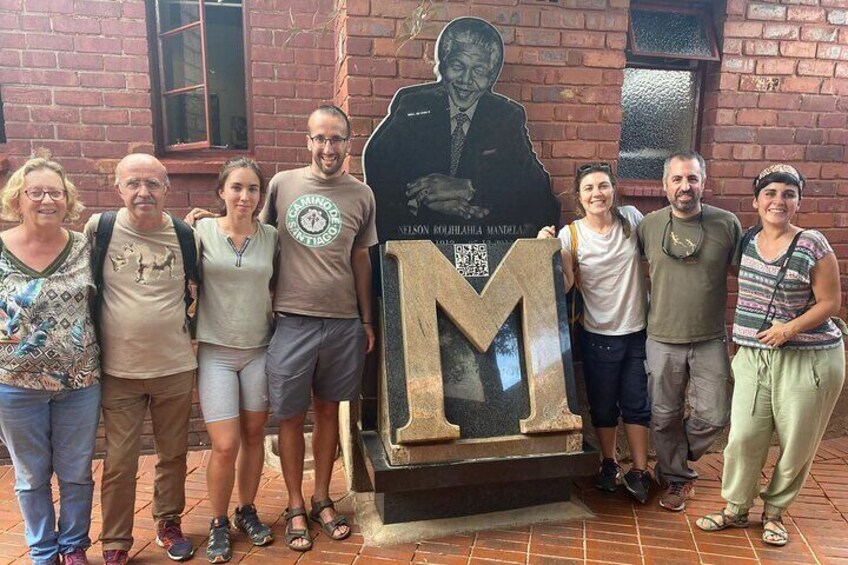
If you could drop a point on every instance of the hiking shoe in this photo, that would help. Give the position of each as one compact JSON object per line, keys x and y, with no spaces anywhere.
{"x":248,"y":521}
{"x":219,"y":550}
{"x":638,"y":482}
{"x":676,"y":495}
{"x":170,"y":536}
{"x":76,"y":557}
{"x":115,"y":557}
{"x":609,"y":476}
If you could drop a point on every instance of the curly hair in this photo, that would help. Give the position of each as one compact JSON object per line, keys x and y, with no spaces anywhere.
{"x":11,"y":194}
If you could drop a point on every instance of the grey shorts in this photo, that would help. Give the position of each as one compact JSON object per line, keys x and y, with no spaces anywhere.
{"x":230,"y":380}
{"x":310,"y":355}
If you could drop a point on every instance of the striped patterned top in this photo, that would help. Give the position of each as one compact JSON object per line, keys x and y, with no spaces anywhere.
{"x":794,"y":296}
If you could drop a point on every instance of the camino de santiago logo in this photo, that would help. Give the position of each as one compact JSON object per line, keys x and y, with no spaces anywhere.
{"x":313,"y":220}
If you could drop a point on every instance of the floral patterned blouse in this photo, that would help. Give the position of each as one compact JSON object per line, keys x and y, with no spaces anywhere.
{"x":47,"y":337}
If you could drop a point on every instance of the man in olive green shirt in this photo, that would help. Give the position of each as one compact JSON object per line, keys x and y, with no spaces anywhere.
{"x":689,"y":247}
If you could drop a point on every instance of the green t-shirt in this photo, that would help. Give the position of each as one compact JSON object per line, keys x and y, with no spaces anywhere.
{"x":689,"y":296}
{"x":234,"y":304}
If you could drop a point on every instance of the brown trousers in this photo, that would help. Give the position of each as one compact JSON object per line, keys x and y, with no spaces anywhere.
{"x":125,"y":402}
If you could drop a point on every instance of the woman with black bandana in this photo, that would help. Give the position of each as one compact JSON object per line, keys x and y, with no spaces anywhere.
{"x":790,"y":365}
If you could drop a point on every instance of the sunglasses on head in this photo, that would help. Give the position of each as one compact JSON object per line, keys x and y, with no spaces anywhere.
{"x":589,"y":167}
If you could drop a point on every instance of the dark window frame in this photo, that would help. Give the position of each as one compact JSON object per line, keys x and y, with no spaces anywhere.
{"x":698,"y":64}
{"x":650,"y":7}
{"x":199,"y":150}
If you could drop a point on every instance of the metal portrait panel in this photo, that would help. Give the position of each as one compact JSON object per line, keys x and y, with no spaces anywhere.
{"x":452,"y":162}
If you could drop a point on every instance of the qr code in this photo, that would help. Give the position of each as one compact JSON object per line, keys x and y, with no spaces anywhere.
{"x":471,"y":259}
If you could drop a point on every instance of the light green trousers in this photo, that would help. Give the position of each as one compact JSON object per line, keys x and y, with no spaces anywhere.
{"x":792,"y":392}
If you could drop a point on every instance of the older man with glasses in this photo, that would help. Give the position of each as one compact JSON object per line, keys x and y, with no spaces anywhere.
{"x":148,"y":359}
{"x":690,"y":246}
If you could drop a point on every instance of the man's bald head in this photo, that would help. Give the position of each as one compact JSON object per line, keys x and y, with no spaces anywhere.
{"x":141,"y":181}
{"x":143,"y":161}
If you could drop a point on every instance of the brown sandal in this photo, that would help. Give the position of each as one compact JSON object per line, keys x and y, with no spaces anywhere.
{"x":329,"y":526}
{"x":293,"y":534}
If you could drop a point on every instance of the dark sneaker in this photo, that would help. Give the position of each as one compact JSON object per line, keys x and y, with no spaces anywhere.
{"x":609,"y":476}
{"x":219,"y":550}
{"x":76,"y":557}
{"x":638,"y":483}
{"x":676,"y":495}
{"x":115,"y":557}
{"x":170,"y":536}
{"x":248,"y":521}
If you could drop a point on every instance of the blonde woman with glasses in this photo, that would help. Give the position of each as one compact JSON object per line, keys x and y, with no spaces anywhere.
{"x":49,"y":360}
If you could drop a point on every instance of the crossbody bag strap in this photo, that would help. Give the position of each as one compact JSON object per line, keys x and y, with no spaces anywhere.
{"x":781,"y":274}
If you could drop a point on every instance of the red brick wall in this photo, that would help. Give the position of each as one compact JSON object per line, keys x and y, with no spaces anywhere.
{"x":781,"y":95}
{"x":75,"y":78}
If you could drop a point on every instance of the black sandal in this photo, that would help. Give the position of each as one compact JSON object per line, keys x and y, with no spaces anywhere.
{"x":293,"y":534}
{"x":329,"y":526}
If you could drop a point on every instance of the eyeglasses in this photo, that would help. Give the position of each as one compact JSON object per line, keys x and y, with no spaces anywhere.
{"x":38,"y":194}
{"x":152,"y":185}
{"x":693,"y":249}
{"x":333,"y":141}
{"x":599,"y":166}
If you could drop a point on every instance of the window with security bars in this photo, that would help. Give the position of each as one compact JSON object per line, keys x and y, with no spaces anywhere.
{"x":201,"y":68}
{"x":668,"y":47}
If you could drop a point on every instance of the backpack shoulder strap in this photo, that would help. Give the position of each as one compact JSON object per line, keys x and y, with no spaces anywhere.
{"x":102,"y":237}
{"x":572,"y":227}
{"x":749,"y":234}
{"x":188,"y":249}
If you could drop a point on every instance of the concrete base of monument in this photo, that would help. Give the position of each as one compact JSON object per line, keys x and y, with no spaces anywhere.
{"x":272,"y":453}
{"x":376,"y":532}
{"x":411,"y":493}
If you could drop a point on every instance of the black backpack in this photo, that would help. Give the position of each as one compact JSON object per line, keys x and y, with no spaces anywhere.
{"x":102,"y":237}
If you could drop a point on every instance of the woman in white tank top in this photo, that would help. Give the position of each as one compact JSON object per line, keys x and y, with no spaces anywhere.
{"x":612,"y":334}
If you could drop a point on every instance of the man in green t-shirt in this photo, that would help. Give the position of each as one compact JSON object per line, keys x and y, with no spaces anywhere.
{"x":689,"y":246}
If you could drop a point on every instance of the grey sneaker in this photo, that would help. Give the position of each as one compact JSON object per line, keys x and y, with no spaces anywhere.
{"x":609,"y":476}
{"x":676,"y":495}
{"x":219,"y":550}
{"x":248,"y":521}
{"x":638,"y":483}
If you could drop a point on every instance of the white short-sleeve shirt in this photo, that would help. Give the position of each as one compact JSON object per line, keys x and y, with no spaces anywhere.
{"x":611,"y":277}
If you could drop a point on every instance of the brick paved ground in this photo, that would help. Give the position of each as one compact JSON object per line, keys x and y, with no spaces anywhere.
{"x":621,"y":532}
